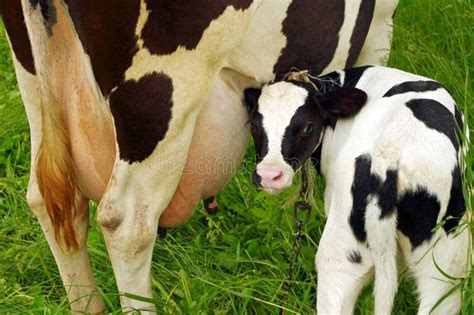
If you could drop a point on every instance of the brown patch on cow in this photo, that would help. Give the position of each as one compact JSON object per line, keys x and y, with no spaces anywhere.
{"x":106,"y":29}
{"x":364,"y":18}
{"x":142,"y":111}
{"x":312,"y":29}
{"x":182,"y":22}
{"x":14,"y":22}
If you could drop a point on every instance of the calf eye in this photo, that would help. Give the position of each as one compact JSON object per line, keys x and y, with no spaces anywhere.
{"x":308,"y":129}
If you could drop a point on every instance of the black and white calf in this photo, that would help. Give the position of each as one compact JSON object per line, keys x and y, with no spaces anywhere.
{"x":387,"y":143}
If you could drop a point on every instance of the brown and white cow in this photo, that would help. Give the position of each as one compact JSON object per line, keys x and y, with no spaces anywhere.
{"x":125,"y":99}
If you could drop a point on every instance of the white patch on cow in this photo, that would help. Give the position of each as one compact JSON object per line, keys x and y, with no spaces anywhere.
{"x":142,"y":19}
{"x":261,"y":47}
{"x":351,"y":10}
{"x":277,"y":104}
{"x":376,"y":49}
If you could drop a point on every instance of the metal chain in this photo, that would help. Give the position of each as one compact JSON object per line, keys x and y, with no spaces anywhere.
{"x":303,"y":207}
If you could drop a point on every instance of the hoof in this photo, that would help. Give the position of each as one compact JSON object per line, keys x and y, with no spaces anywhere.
{"x":210,"y":204}
{"x":162,"y":232}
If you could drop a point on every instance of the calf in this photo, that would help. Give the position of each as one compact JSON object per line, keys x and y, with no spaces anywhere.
{"x":387,"y":143}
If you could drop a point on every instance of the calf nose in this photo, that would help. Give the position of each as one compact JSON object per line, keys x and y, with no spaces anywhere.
{"x":270,"y":175}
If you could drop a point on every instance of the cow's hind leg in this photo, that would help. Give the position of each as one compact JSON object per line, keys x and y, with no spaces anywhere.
{"x":74,"y":267}
{"x":343,"y":267}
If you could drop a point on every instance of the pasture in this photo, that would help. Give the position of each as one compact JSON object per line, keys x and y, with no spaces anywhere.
{"x":234,"y":262}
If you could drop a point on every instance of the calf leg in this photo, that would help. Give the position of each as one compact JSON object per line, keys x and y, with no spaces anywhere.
{"x":343,"y":267}
{"x":382,"y":241}
{"x":450,"y":254}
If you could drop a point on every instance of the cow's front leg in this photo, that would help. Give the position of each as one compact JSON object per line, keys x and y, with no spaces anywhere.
{"x":137,"y":194}
{"x":129,"y":235}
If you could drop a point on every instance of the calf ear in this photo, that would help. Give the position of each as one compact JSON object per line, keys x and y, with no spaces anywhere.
{"x":342,"y":102}
{"x":251,"y":96}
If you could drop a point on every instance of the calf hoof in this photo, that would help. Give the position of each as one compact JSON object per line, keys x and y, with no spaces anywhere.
{"x":210,"y":204}
{"x":162,"y":232}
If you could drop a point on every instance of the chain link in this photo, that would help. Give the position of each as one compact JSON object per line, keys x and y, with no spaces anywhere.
{"x":301,"y":215}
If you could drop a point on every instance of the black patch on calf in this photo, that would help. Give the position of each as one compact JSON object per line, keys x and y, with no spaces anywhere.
{"x":14,"y":22}
{"x":413,"y":86}
{"x":362,"y":187}
{"x":259,"y":136}
{"x":297,"y":146}
{"x":106,"y":29}
{"x":331,"y":122}
{"x":316,"y":158}
{"x":328,"y":82}
{"x":456,"y":205}
{"x":459,"y":123}
{"x":181,"y":22}
{"x":366,"y":184}
{"x":353,"y":75}
{"x":364,"y":18}
{"x":48,"y":12}
{"x":435,"y":116}
{"x":458,"y":118}
{"x":316,"y":47}
{"x":417,"y":215}
{"x":354,"y":256}
{"x":388,"y":194}
{"x":142,"y":111}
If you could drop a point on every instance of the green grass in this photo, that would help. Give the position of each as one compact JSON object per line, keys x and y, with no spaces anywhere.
{"x":236,"y":261}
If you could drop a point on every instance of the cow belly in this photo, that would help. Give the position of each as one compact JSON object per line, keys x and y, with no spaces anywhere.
{"x":219,"y":142}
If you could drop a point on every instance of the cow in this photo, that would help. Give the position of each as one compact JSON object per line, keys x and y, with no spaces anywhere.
{"x":388,"y":144}
{"x":125,"y":98}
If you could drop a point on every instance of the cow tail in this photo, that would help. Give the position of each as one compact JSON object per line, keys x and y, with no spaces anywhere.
{"x":55,"y":174}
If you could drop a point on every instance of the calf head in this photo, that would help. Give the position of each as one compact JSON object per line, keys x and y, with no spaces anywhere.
{"x":288,"y":119}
